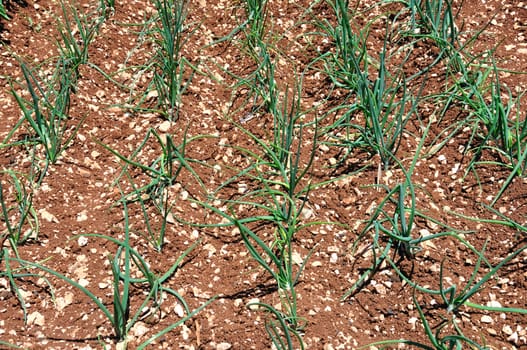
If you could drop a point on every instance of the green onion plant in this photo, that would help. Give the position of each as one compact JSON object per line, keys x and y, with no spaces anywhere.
{"x":391,"y":224}
{"x":20,"y":218}
{"x":171,"y":77}
{"x":256,"y":44}
{"x":163,"y":173}
{"x":107,"y":8}
{"x":350,"y":56}
{"x":508,"y":131}
{"x":257,"y":16}
{"x":3,"y":11}
{"x":10,"y":345}
{"x":494,"y":118}
{"x":76,"y":34}
{"x":452,"y":301}
{"x":47,"y":110}
{"x":21,"y":272}
{"x":120,"y":316}
{"x":382,"y":101}
{"x":279,"y":199}
{"x":435,"y":20}
{"x":385,"y":117}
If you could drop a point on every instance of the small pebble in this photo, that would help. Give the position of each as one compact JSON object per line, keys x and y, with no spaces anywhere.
{"x":139,"y":329}
{"x":242,"y":188}
{"x":165,"y":126}
{"x":82,"y":241}
{"x":486,"y":319}
{"x":380,"y":289}
{"x":35,"y":318}
{"x":507,"y":330}
{"x":178,"y":309}
{"x":494,"y":303}
{"x":223,"y":346}
{"x":251,"y":304}
{"x":513,"y":338}
{"x":84,"y":282}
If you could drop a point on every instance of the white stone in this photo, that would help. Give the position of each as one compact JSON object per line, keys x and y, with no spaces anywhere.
{"x":84,"y":282}
{"x":513,"y":338}
{"x":178,"y":309}
{"x":251,"y":304}
{"x":62,"y":302}
{"x":507,"y":330}
{"x":35,"y":318}
{"x":486,"y":319}
{"x":82,"y":241}
{"x":139,"y":329}
{"x":185,"y":332}
{"x":46,"y":215}
{"x":494,"y":303}
{"x":297,"y":258}
{"x":413,"y":321}
{"x":242,"y":188}
{"x":165,"y":126}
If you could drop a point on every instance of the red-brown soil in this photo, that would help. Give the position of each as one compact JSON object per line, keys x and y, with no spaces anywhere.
{"x":78,"y":194}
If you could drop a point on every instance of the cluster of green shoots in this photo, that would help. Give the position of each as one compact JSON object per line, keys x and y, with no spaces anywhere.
{"x":3,"y":11}
{"x":47,"y":116}
{"x":383,"y":103}
{"x":378,"y":98}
